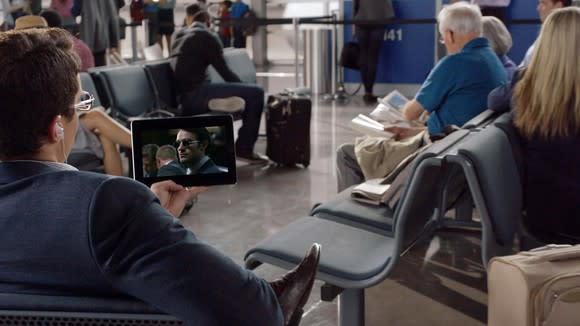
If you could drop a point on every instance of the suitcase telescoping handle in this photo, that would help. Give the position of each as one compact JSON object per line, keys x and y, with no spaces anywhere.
{"x":551,"y":253}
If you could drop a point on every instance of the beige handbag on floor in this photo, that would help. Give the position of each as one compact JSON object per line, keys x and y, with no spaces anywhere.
{"x":540,"y":287}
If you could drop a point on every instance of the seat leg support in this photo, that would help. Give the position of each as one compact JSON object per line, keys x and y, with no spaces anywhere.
{"x":351,"y":307}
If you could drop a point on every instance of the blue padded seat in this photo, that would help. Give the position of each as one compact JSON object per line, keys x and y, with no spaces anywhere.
{"x":161,"y":78}
{"x":346,"y":210}
{"x":350,"y":253}
{"x":492,"y":174}
{"x":239,"y":62}
{"x":129,"y":91}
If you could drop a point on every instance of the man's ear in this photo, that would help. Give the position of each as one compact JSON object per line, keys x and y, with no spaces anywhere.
{"x":204,"y":145}
{"x":56,"y":130}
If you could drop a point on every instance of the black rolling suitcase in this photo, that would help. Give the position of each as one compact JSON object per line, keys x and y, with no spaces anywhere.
{"x":288,"y":129}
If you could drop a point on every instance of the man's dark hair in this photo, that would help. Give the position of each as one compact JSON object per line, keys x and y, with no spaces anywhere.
{"x":38,"y":82}
{"x":201,"y":133}
{"x":52,"y":17}
{"x":199,"y":14}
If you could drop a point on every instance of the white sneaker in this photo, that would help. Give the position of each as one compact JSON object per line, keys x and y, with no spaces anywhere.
{"x":227,"y":104}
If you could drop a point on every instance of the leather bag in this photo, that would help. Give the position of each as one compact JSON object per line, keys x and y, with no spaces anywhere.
{"x":537,"y":287}
{"x":349,"y":55}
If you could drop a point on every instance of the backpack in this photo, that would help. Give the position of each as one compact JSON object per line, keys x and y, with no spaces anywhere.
{"x":136,"y":10}
{"x":250,"y":29}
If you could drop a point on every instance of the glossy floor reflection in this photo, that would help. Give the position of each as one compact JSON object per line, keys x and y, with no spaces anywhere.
{"x":439,"y":282}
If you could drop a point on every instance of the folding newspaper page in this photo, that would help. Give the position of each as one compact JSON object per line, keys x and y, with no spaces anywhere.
{"x":389,"y":111}
{"x":371,"y":191}
{"x":368,"y":126}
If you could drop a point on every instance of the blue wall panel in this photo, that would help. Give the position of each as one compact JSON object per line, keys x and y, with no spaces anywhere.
{"x":408,"y":50}
{"x":523,"y":35}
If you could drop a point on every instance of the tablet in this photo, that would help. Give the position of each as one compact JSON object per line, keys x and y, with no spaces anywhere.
{"x":192,"y":151}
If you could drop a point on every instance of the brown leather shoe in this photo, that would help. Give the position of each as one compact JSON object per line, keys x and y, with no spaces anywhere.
{"x":293,"y":289}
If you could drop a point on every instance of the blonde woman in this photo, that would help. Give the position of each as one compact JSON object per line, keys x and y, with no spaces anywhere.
{"x":547,"y":115}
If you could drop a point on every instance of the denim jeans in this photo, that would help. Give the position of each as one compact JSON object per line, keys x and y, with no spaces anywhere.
{"x":195,"y":102}
{"x":370,"y":40}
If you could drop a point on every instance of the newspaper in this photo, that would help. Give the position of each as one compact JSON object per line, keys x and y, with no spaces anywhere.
{"x":388,"y":113}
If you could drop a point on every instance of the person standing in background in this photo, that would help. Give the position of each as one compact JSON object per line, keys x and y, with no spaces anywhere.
{"x":370,"y":39}
{"x":12,"y":10}
{"x":166,"y":23}
{"x":53,"y":19}
{"x":150,"y":12}
{"x":237,"y":11}
{"x":63,"y":7}
{"x":99,"y":26}
{"x":35,"y":6}
{"x":225,"y":27}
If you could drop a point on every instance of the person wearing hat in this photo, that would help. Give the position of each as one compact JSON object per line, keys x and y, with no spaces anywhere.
{"x":30,"y":21}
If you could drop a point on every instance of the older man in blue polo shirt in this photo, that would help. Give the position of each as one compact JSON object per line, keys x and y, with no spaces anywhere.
{"x":455,"y":90}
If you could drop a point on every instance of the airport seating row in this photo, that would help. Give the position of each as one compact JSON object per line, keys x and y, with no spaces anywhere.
{"x":362,"y":243}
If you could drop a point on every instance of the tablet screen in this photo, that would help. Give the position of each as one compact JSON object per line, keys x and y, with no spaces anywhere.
{"x":192,"y":151}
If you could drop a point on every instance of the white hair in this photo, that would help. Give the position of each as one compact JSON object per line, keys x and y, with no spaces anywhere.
{"x":461,"y":18}
{"x":499,"y":37}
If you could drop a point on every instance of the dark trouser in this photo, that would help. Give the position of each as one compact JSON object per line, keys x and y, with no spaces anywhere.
{"x":153,"y":25}
{"x":195,"y":102}
{"x":370,"y":40}
{"x":239,"y":37}
{"x":348,"y":171}
{"x":226,"y":41}
{"x":100,"y":58}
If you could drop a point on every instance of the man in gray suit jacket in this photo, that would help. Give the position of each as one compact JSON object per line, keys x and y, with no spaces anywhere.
{"x":68,"y":232}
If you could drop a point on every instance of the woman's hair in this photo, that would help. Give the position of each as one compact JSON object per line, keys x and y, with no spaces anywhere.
{"x":38,"y":81}
{"x":500,"y":39}
{"x":461,"y":18}
{"x":548,"y":96}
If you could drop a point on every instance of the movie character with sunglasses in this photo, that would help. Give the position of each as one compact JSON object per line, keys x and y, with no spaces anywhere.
{"x":191,"y":146}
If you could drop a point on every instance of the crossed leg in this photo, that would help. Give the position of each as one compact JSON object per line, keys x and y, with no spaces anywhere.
{"x":111,"y":133}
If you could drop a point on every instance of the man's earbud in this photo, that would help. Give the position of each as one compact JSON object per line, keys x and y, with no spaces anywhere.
{"x":59,"y":131}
